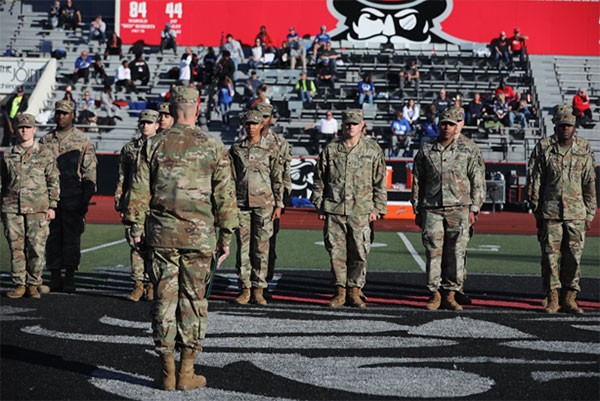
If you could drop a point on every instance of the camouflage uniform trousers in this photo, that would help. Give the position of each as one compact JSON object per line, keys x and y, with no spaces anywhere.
{"x":140,"y":259}
{"x":180,"y":309}
{"x":253,"y":235}
{"x":562,"y":243}
{"x":445,"y":235}
{"x":26,"y":235}
{"x":63,"y":248}
{"x":348,"y":241}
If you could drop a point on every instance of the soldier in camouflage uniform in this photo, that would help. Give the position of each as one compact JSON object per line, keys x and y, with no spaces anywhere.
{"x":279,"y":144}
{"x":148,"y":126}
{"x":349,"y":193}
{"x":259,"y":191}
{"x":76,"y":160}
{"x":562,"y":192}
{"x":447,"y":194}
{"x":181,"y":187}
{"x":29,"y":197}
{"x":166,"y":120}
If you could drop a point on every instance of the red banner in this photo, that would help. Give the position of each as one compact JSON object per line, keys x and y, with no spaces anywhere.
{"x":553,"y":26}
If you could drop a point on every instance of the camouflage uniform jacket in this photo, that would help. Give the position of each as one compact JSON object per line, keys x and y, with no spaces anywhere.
{"x":284,"y":150}
{"x":180,"y":189}
{"x":350,"y":181}
{"x":259,"y":174}
{"x":563,"y":187}
{"x":29,"y":180}
{"x":76,"y":160}
{"x":128,"y":160}
{"x":450,"y":176}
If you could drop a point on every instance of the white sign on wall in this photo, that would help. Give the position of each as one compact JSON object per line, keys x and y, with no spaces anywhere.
{"x":15,"y":72}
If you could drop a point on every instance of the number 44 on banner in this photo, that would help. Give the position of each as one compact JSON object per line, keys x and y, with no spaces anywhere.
{"x":173,"y":9}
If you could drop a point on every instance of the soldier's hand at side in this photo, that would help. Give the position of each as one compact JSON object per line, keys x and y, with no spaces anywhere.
{"x":472,"y":218}
{"x":588,"y":225}
{"x":224,"y":251}
{"x":50,"y":215}
{"x":321,"y":216}
{"x":419,"y":220}
{"x":276,"y":213}
{"x":373,"y":216}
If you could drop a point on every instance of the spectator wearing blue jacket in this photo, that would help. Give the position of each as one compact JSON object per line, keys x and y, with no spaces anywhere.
{"x":82,"y":67}
{"x":401,"y":133}
{"x":366,"y":90}
{"x":429,"y":130}
{"x":226,"y":93}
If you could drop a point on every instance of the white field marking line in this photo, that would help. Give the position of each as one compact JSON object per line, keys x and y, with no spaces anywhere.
{"x":412,"y":251}
{"x":95,"y":248}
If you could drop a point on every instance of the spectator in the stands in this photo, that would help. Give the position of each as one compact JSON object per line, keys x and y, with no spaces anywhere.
{"x":581,"y":107}
{"x":70,"y":17}
{"x":500,"y":49}
{"x":53,"y":15}
{"x":16,"y":104}
{"x":113,"y":46}
{"x":87,"y":102}
{"x":330,"y":56}
{"x":140,"y":70}
{"x":518,"y":111}
{"x":306,"y":88}
{"x":225,"y":66}
{"x":441,"y":102}
{"x":10,"y":52}
{"x":97,"y":30}
{"x":283,"y":55}
{"x":325,"y":128}
{"x":320,"y":41}
{"x":98,"y":70}
{"x":297,"y":49}
{"x":517,"y":45}
{"x":208,"y":63}
{"x":185,"y":72}
{"x":123,"y":78}
{"x":82,"y":67}
{"x":235,"y":50}
{"x":261,"y":97}
{"x":429,"y":129}
{"x":257,"y":57}
{"x":475,"y":110}
{"x":225,"y":94}
{"x":401,"y":135}
{"x":366,"y":90}
{"x":410,"y":76}
{"x":252,"y":84}
{"x":107,"y":99}
{"x":168,"y":39}
{"x":137,"y":49}
{"x":69,"y":96}
{"x":265,"y":40}
{"x":500,"y":108}
{"x":325,"y":76}
{"x":509,"y":93}
{"x":412,"y":112}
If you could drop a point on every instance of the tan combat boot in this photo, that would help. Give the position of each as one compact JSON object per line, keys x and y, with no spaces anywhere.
{"x":188,"y":380}
{"x":450,"y":303}
{"x":434,"y":302}
{"x":244,"y":297}
{"x":56,"y":281}
{"x":137,"y":293}
{"x":552,"y":305}
{"x":568,"y":303}
{"x":17,"y":292}
{"x":167,"y":379}
{"x":69,"y":282}
{"x":257,"y":296}
{"x":32,"y":292}
{"x":339,"y":299}
{"x":149,"y":292}
{"x":354,"y":298}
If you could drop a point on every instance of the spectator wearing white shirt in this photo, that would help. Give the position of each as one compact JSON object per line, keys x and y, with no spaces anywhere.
{"x":325,"y":128}
{"x":235,"y":50}
{"x":257,"y":57}
{"x":185,"y":73}
{"x":123,"y":78}
{"x":167,"y":39}
{"x":411,"y":113}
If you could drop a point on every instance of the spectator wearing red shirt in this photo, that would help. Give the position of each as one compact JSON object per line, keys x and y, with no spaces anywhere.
{"x":509,"y":94}
{"x":517,"y":44}
{"x":581,"y":107}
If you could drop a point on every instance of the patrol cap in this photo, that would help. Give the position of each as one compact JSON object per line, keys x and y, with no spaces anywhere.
{"x":149,"y":115}
{"x":184,"y":94}
{"x":452,"y":115}
{"x":25,"y":120}
{"x":559,"y":110}
{"x":253,"y":117}
{"x":352,"y":116}
{"x":566,"y":118}
{"x":65,"y":106}
{"x":460,"y":113}
{"x":265,"y":109}
{"x":164,"y":108}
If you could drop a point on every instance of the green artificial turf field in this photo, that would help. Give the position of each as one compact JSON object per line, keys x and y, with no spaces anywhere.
{"x":303,"y":249}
